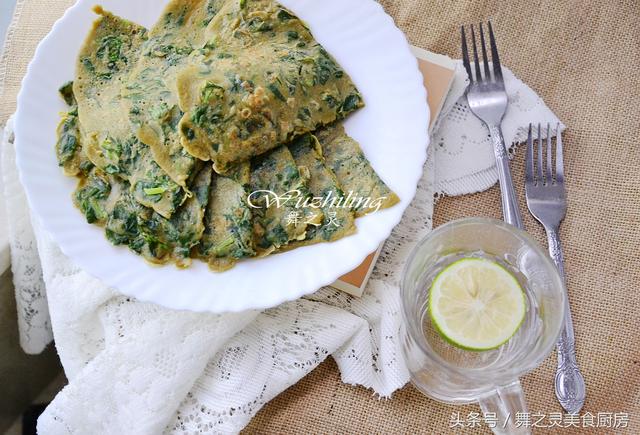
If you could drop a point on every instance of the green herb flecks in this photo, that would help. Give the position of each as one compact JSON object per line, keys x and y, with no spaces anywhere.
{"x":155,"y":190}
{"x":91,"y":197}
{"x":276,"y":91}
{"x":66,"y":91}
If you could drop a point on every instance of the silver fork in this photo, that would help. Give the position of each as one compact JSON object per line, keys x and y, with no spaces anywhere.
{"x":547,"y":202}
{"x":488,"y":101}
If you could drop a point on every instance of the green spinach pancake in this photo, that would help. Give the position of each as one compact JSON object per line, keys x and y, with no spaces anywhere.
{"x":103,"y":66}
{"x":262,"y":80}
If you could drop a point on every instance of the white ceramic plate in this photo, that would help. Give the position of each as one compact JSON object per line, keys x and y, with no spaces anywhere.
{"x":392,"y":130}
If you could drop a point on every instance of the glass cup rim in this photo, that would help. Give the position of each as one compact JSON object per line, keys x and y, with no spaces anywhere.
{"x":419,"y":339}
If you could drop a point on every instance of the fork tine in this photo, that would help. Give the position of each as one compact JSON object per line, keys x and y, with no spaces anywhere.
{"x":487,"y":73}
{"x":540,"y":161}
{"x":548,"y":175}
{"x":559,"y":158}
{"x":528,"y":175}
{"x":495,"y":59}
{"x":465,"y":54}
{"x":475,"y":55}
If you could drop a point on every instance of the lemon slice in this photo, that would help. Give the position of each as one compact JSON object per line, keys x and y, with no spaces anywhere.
{"x":476,"y":304}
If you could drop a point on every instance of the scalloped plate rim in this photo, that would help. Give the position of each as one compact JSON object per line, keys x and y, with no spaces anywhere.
{"x":276,"y":295}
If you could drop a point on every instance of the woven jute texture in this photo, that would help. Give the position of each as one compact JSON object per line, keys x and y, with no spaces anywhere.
{"x":583,"y":58}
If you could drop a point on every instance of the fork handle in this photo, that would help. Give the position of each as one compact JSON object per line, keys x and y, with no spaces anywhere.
{"x":569,"y":382}
{"x":510,"y":209}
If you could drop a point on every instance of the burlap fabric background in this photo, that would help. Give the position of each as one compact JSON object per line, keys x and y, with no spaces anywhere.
{"x":583,"y":58}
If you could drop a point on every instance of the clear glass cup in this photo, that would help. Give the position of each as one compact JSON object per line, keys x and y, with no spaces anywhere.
{"x":452,"y":375}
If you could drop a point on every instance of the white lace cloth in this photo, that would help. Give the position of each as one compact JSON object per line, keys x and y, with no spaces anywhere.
{"x":138,"y":368}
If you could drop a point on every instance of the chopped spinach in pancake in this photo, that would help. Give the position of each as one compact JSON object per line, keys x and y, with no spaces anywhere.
{"x":92,"y":196}
{"x":353,"y":171}
{"x":338,"y":222}
{"x":149,"y":93}
{"x":228,"y":235}
{"x":122,"y":226}
{"x":108,"y":140}
{"x":107,"y":201}
{"x":276,"y":224}
{"x":184,"y":229}
{"x":261,"y":80}
{"x":69,"y":151}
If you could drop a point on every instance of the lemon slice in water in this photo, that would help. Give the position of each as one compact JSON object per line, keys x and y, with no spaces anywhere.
{"x":476,"y":304}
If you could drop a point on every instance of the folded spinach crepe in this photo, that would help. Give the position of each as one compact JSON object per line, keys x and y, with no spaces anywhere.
{"x":104,"y":61}
{"x":338,"y":220}
{"x":107,"y":201}
{"x":149,"y":93}
{"x":261,"y":80}
{"x":359,"y":181}
{"x":275,"y":187}
{"x":183,"y":231}
{"x":228,"y":235}
{"x":69,"y":151}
